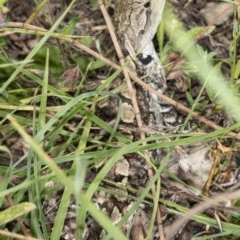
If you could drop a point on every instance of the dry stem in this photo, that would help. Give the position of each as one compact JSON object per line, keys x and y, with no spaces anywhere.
{"x":132,"y":75}
{"x":210,"y":202}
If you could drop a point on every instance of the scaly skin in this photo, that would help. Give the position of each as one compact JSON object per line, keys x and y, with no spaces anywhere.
{"x":136,"y":25}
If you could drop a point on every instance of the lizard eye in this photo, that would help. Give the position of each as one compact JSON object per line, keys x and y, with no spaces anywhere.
{"x":145,"y":59}
{"x":147,"y":5}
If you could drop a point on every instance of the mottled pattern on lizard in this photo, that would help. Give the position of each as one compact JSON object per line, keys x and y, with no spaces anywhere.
{"x":136,"y":25}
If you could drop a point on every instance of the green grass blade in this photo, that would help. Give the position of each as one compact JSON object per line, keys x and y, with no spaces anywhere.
{"x":36,"y":48}
{"x":18,"y":210}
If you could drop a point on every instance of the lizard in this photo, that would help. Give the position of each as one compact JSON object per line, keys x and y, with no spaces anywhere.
{"x":136,"y":26}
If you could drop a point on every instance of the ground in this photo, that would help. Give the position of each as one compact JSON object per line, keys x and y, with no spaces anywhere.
{"x":53,"y":98}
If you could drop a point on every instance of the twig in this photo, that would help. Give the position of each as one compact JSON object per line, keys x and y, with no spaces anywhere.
{"x":132,"y":75}
{"x":17,"y":236}
{"x":134,"y":102}
{"x":122,"y":62}
{"x":210,"y":202}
